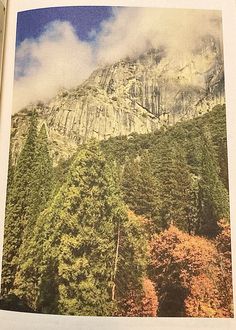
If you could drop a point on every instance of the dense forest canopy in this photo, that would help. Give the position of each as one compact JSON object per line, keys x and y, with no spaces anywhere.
{"x":135,"y":225}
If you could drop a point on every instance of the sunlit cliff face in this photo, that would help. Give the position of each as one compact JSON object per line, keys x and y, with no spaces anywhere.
{"x":133,"y":95}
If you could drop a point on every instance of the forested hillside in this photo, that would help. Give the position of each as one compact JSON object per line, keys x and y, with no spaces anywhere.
{"x":135,"y":225}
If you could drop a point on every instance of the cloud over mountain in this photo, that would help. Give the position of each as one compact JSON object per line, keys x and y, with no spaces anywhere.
{"x":55,"y":60}
{"x":133,"y":30}
{"x":58,"y":58}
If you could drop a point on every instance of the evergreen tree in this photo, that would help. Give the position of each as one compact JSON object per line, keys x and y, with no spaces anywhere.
{"x":18,"y":207}
{"x":130,"y":183}
{"x":41,"y":187}
{"x":176,"y":185}
{"x":42,"y":176}
{"x":76,"y":242}
{"x":29,"y":191}
{"x":131,"y":266}
{"x":10,"y":174}
{"x":148,"y":194}
{"x":213,"y":196}
{"x":223,"y":162}
{"x":140,"y":187}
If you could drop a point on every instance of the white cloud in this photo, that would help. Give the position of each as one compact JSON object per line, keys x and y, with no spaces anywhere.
{"x":56,"y":59}
{"x":134,"y":30}
{"x":59,"y":59}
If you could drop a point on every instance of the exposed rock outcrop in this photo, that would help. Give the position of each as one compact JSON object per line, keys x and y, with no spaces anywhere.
{"x":134,"y":95}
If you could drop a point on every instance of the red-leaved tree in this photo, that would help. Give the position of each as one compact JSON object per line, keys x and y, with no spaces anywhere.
{"x":187,"y":275}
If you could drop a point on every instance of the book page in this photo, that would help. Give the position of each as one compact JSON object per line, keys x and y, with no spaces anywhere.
{"x":2,"y":28}
{"x":117,"y":147}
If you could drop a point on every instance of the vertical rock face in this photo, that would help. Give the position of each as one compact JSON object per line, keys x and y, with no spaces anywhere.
{"x":133,"y":95}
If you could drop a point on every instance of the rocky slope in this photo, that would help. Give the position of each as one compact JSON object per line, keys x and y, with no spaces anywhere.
{"x":134,"y":95}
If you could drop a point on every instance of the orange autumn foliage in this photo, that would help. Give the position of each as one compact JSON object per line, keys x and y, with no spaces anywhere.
{"x":149,"y":300}
{"x":187,"y":275}
{"x":143,"y":304}
{"x":223,"y":244}
{"x":203,"y":299}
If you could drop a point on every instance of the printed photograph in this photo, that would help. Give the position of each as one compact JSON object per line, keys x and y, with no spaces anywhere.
{"x":118,"y":193}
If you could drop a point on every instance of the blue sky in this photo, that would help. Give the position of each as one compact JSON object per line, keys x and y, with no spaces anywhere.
{"x":30,"y":24}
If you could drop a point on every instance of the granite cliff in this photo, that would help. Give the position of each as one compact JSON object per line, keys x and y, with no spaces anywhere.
{"x":138,"y":95}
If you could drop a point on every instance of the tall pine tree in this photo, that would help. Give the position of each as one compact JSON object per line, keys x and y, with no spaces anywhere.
{"x":131,"y":266}
{"x":29,"y":192}
{"x":140,"y":187}
{"x":73,"y":251}
{"x":213,"y":195}
{"x":176,"y":185}
{"x":19,"y":202}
